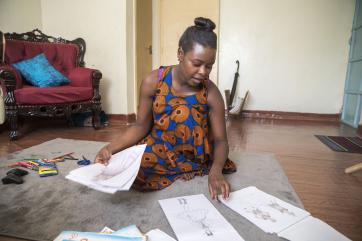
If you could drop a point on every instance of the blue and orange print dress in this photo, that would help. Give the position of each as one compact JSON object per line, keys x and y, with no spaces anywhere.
{"x":178,"y":142}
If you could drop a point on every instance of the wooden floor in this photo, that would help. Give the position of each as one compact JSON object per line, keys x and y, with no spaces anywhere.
{"x":315,"y":172}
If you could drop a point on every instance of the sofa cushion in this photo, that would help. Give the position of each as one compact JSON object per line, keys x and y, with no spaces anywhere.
{"x":62,"y":56}
{"x":30,"y":95}
{"x":39,"y":72}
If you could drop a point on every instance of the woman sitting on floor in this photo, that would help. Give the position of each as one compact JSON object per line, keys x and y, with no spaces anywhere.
{"x":179,"y":108}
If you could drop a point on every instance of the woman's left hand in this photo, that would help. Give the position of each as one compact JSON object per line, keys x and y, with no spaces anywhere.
{"x":218,"y":183}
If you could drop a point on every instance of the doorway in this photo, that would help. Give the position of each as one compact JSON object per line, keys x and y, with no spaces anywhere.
{"x":143,"y":41}
{"x":352,"y":101}
{"x":173,"y":17}
{"x":159,"y":25}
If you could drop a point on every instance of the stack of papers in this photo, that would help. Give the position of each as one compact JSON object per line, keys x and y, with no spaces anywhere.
{"x":273,"y":215}
{"x":129,"y":233}
{"x":118,"y":175}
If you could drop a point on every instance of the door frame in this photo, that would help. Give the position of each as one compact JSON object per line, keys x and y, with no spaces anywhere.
{"x":138,"y":78}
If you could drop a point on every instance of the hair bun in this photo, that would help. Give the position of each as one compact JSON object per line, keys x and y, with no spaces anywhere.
{"x":204,"y":24}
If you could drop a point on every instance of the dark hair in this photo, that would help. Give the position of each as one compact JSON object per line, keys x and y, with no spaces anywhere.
{"x":201,"y":33}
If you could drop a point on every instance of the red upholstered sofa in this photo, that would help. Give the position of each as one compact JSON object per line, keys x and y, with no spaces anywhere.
{"x":23,"y":99}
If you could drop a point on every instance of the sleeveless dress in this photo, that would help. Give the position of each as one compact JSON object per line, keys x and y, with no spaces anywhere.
{"x":178,"y":142}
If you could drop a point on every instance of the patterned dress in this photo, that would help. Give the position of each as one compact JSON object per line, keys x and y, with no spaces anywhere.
{"x":178,"y":142}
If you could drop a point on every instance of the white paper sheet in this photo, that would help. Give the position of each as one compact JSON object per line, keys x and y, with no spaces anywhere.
{"x":130,"y":231}
{"x":118,"y":175}
{"x":267,"y":212}
{"x":106,"y":230}
{"x":195,"y":218}
{"x":312,"y":229}
{"x":158,"y":235}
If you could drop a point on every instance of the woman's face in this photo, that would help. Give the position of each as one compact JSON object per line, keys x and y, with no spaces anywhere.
{"x":197,"y":63}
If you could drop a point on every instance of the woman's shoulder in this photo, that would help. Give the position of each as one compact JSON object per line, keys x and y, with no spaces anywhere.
{"x":210,"y":86}
{"x":156,"y":75}
{"x":151,"y":77}
{"x":213,"y":92}
{"x":150,"y":80}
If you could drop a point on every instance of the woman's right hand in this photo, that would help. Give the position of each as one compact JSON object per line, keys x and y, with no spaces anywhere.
{"x":103,"y":155}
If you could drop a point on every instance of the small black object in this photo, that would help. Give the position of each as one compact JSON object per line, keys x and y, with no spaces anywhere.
{"x":12,"y":178}
{"x":18,"y":172}
{"x":235,"y":83}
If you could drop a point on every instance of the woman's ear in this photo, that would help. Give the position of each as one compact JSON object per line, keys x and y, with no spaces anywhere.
{"x":180,"y":54}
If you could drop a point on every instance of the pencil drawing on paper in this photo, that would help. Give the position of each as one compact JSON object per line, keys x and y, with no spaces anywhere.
{"x":198,"y":216}
{"x":260,"y":214}
{"x":102,"y":177}
{"x":265,"y":215}
{"x":280,"y":208}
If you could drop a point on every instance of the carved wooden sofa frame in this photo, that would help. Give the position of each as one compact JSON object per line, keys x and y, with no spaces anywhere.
{"x":8,"y":78}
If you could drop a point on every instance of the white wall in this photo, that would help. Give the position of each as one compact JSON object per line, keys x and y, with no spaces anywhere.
{"x":293,"y":53}
{"x":103,"y":25}
{"x":20,"y":15}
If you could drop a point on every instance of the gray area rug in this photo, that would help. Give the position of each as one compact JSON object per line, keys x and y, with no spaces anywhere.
{"x":41,"y":208}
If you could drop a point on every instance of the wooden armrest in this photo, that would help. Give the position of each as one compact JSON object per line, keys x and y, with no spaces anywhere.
{"x":11,"y":78}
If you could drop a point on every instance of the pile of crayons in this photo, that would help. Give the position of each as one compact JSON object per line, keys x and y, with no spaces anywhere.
{"x":45,"y":167}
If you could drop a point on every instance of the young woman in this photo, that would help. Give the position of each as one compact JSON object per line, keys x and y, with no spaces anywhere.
{"x":179,"y":109}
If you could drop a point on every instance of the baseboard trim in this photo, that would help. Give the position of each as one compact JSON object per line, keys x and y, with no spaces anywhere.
{"x":123,"y":118}
{"x":113,"y":118}
{"x":281,"y":115}
{"x":253,"y":114}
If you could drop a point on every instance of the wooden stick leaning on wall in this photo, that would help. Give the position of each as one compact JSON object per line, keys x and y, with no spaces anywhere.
{"x":229,"y":96}
{"x":235,"y":83}
{"x":227,"y":99}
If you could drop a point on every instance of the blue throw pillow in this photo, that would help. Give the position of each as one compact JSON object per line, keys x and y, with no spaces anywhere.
{"x":39,"y":72}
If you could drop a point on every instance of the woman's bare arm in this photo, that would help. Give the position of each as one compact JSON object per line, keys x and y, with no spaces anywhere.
{"x":217,"y":181}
